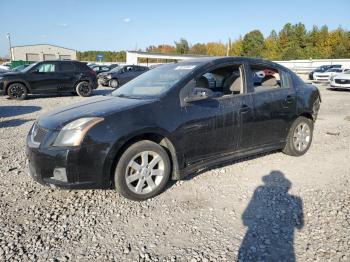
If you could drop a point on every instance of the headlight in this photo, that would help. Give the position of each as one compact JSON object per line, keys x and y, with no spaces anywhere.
{"x":109,"y":76}
{"x":73,"y":133}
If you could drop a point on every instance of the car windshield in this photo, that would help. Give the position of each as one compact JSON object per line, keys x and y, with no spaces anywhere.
{"x":115,"y":69}
{"x":334,"y":70}
{"x":155,"y":82}
{"x":29,"y":67}
{"x":19,"y":68}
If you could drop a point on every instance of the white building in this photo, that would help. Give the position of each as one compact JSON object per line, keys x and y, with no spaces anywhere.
{"x":42,"y":52}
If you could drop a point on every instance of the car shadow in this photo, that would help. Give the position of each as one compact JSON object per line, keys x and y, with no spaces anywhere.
{"x":14,"y":122}
{"x":221,"y":165}
{"x":271,"y":218}
{"x":9,"y":111}
{"x":95,"y":92}
{"x":338,"y":89}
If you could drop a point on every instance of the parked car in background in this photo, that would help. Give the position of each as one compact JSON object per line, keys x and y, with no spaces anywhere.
{"x":120,"y":75}
{"x":5,"y":67}
{"x":3,"y":71}
{"x":322,"y":69}
{"x":341,"y":81}
{"x":325,"y":76}
{"x":20,"y":67}
{"x":100,"y":68}
{"x":170,"y":122}
{"x":49,"y":77}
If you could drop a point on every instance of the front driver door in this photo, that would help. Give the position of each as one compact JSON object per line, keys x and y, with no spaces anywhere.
{"x":44,"y":78}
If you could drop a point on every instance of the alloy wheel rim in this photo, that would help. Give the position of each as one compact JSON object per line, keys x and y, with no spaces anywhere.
{"x":84,"y":89}
{"x":144,"y":172}
{"x":301,"y":137}
{"x":114,"y":83}
{"x":16,"y":91}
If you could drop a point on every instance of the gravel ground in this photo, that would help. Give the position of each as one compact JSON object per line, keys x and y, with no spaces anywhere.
{"x":271,"y":207}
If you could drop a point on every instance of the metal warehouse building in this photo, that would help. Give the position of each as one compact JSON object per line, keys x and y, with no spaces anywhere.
{"x":42,"y":52}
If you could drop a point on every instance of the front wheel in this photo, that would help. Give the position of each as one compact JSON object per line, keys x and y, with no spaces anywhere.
{"x":299,"y":137}
{"x":142,"y":171}
{"x":17,"y":91}
{"x":113,"y":83}
{"x":84,"y":89}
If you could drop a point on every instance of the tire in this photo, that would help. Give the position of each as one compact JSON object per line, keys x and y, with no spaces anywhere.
{"x":299,"y":137}
{"x":113,"y":83}
{"x":17,"y":91}
{"x":133,"y":164}
{"x":83,"y":89}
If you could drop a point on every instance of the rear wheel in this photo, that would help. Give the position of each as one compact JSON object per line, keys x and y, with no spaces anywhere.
{"x":142,"y":171}
{"x":113,"y":83}
{"x":84,"y":89}
{"x":299,"y":137}
{"x":17,"y":91}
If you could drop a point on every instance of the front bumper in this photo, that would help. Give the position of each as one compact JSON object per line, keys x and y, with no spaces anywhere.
{"x":103,"y":81}
{"x":80,"y":167}
{"x":340,"y":86}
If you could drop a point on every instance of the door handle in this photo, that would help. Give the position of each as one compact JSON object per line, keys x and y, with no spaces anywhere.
{"x":289,"y":99}
{"x":244,"y":108}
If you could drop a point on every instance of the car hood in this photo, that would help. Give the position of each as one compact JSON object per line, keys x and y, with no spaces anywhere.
{"x":12,"y":73}
{"x":98,"y":106}
{"x":342,"y":76}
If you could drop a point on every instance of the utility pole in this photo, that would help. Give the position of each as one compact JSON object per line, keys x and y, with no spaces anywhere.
{"x":10,"y":47}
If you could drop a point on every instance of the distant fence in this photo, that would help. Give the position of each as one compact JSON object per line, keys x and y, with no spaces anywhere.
{"x":306,"y":66}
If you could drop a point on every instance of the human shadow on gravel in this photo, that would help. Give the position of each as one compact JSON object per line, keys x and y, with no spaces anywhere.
{"x":271,"y":217}
{"x":9,"y":111}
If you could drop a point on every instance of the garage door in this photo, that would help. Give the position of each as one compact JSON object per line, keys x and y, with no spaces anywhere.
{"x":32,"y":57}
{"x":49,"y":57}
{"x":65,"y":57}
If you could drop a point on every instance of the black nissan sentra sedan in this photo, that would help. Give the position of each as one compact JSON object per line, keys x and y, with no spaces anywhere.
{"x":172,"y":121}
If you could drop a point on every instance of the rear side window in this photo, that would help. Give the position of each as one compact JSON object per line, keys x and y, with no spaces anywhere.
{"x":269,"y":78}
{"x":67,"y":67}
{"x":47,"y":68}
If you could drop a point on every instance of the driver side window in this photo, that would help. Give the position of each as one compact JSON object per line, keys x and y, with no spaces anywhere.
{"x":222,"y":81}
{"x":219,"y":82}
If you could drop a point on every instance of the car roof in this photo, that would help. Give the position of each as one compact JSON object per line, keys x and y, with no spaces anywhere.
{"x":70,"y":61}
{"x":228,"y":59}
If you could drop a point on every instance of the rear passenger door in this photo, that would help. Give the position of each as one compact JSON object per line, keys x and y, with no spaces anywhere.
{"x":67,"y":77}
{"x":274,"y":103}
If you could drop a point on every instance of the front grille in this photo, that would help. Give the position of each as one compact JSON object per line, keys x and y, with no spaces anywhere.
{"x":38,"y":133}
{"x":342,"y":81}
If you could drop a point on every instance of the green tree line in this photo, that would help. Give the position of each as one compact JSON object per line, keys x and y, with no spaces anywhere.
{"x":109,"y":56}
{"x":293,"y":41}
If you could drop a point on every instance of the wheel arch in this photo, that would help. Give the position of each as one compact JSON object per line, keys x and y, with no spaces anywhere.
{"x":25,"y":83}
{"x":156,"y":137}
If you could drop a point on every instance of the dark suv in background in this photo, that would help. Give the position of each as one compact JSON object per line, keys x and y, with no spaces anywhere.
{"x":49,"y":77}
{"x":120,"y":75}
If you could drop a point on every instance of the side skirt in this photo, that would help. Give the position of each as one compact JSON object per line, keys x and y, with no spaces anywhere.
{"x":222,"y":159}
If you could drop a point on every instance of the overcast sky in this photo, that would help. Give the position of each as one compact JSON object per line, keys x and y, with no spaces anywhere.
{"x":127,"y":25}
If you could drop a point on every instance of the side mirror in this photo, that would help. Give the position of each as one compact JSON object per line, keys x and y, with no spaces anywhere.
{"x":199,"y":93}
